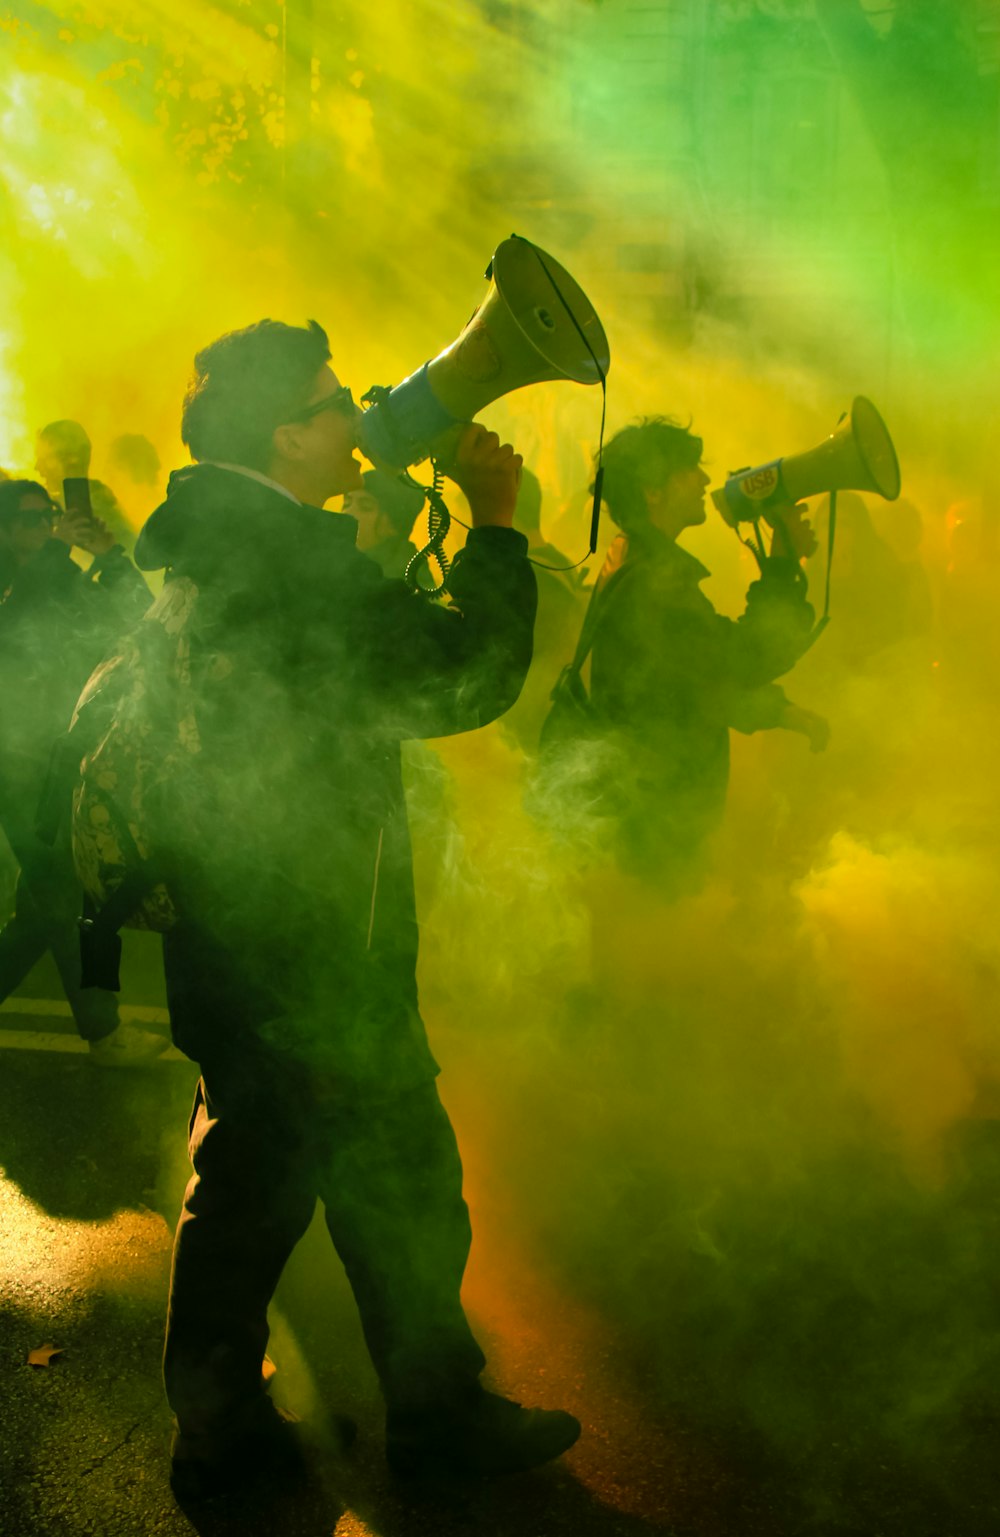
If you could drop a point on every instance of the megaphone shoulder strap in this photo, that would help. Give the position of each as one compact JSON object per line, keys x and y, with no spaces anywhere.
{"x":595,"y":516}
{"x":831,"y":532}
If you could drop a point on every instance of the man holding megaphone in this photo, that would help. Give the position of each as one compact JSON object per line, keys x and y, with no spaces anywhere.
{"x":291,"y":966}
{"x":669,"y":675}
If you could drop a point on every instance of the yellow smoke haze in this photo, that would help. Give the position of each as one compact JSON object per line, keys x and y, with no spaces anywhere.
{"x":667,"y":1100}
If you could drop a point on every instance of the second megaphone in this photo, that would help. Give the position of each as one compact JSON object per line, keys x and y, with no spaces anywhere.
{"x":857,"y":456}
{"x":535,"y":323}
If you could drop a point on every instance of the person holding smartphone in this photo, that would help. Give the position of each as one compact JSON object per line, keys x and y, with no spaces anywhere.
{"x":56,"y":621}
{"x":63,"y":452}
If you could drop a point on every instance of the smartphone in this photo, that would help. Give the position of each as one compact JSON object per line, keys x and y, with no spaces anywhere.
{"x":76,"y":495}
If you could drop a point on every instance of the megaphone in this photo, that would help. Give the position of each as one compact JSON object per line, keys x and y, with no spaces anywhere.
{"x":535,"y":323}
{"x":857,"y":456}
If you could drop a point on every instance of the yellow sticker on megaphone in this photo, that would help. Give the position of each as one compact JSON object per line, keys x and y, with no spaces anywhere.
{"x":759,"y":484}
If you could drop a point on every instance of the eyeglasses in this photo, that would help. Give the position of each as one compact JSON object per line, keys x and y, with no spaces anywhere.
{"x":47,"y":514}
{"x":341,"y":401}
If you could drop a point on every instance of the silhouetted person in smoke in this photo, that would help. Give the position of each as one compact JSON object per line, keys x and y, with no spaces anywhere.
{"x":63,"y":450}
{"x":133,"y":457}
{"x":386,"y":510}
{"x":902,"y":529}
{"x":967,"y":595}
{"x":670,"y":676}
{"x":877,"y":600}
{"x":55,"y":623}
{"x":291,"y":970}
{"x":136,"y":456}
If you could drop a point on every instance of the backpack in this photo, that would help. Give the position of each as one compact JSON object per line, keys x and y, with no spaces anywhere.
{"x":135,"y":738}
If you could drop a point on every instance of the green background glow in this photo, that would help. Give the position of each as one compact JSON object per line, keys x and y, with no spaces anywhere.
{"x":755,"y":1124}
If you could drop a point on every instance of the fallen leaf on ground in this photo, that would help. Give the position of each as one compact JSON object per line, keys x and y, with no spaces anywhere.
{"x":42,"y":1356}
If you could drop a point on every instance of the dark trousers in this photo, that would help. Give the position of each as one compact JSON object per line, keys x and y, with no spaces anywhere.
{"x":46,"y":909}
{"x":389,"y":1175}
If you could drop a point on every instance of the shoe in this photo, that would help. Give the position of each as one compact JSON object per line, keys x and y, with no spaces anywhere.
{"x":486,"y":1437}
{"x":204,"y":1466}
{"x":128,"y":1046}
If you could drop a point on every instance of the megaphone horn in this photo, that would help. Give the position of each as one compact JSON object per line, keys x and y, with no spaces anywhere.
{"x":857,"y":456}
{"x":535,"y":323}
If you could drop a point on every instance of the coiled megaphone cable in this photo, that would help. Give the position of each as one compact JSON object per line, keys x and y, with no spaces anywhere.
{"x":438,"y":525}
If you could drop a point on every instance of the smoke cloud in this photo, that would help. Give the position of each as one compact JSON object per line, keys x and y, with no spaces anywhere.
{"x":750,"y":1133}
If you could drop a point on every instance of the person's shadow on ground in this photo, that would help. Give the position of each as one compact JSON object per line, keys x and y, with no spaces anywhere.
{"x":549,"y":1501}
{"x":83,"y":1142}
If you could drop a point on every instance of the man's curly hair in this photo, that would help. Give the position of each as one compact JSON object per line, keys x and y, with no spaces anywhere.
{"x":642,"y":457}
{"x":245,"y":385}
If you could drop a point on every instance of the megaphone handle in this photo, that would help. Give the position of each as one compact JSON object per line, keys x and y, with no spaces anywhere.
{"x":756,"y":545}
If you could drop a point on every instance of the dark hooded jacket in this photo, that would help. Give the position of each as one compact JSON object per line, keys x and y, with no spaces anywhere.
{"x":670,"y":677}
{"x":298,"y":924}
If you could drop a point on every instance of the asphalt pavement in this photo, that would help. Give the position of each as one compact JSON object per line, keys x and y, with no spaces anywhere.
{"x":94,"y":1164}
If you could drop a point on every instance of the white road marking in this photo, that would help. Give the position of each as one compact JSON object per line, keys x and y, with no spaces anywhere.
{"x":138,"y":1014}
{"x":68,"y":1041}
{"x":41,"y":1040}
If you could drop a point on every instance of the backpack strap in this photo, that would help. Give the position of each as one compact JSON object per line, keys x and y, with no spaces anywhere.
{"x":100,"y":936}
{"x":100,"y":939}
{"x":596,"y":609}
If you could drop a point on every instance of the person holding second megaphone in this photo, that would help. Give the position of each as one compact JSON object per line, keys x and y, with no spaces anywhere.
{"x":669,"y":676}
